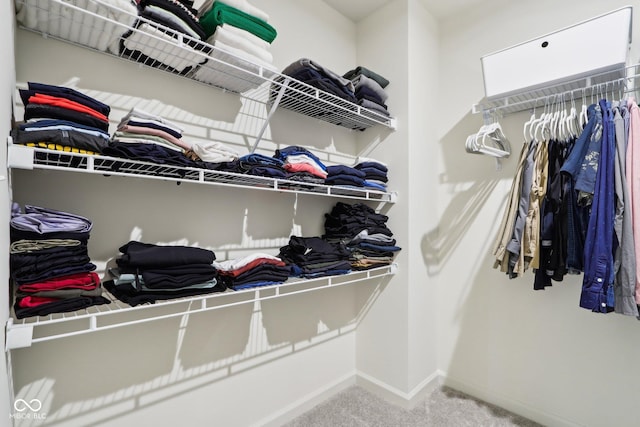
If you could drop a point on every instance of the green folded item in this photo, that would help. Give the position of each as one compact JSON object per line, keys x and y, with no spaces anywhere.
{"x":221,"y":13}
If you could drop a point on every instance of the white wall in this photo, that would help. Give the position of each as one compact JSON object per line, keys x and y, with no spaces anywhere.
{"x":535,"y":352}
{"x":233,"y":367}
{"x":7,"y":84}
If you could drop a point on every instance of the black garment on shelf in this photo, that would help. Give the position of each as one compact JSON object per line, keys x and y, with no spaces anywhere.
{"x":29,"y":266}
{"x":178,"y":276}
{"x":67,"y":138}
{"x":181,"y":11}
{"x":313,"y":78}
{"x":54,"y":272}
{"x":344,"y":179}
{"x":262,"y":273}
{"x":64,"y":305}
{"x":126,"y":293}
{"x":308,"y":250}
{"x":43,"y":111}
{"x":147,"y":152}
{"x":147,"y":255}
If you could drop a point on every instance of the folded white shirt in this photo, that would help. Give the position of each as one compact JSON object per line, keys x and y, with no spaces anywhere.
{"x":214,"y":152}
{"x":234,"y":264}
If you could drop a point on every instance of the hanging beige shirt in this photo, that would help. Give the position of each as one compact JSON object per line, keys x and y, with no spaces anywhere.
{"x":505,"y":230}
{"x":530,"y":251}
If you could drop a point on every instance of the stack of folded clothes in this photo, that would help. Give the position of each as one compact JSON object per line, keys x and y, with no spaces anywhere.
{"x":300,"y":163}
{"x":369,"y":89}
{"x":259,"y":165}
{"x":49,"y":262}
{"x":241,"y":36}
{"x":158,"y":36}
{"x":344,"y":176}
{"x":318,"y":76}
{"x":61,"y":118}
{"x":145,"y":136}
{"x":102,"y":22}
{"x":311,"y":257}
{"x":375,"y":173}
{"x":364,"y":232}
{"x":147,"y":273}
{"x":252,"y":271}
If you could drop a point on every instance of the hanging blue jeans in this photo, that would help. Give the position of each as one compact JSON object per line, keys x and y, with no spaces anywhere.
{"x":598,"y":247}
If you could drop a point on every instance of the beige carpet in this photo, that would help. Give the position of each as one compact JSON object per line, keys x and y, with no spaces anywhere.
{"x":444,"y":407}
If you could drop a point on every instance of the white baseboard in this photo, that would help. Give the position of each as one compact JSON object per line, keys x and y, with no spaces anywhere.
{"x":396,"y":396}
{"x":410,"y":399}
{"x":508,"y":403}
{"x":307,"y":402}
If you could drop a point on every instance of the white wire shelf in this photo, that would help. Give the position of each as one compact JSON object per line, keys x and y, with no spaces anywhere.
{"x":23,"y":157}
{"x":620,"y":81}
{"x":118,"y":32}
{"x":25,"y":332}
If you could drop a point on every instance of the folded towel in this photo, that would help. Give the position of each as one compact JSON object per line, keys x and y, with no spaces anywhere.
{"x":213,"y":152}
{"x":242,"y":5}
{"x":231,"y":39}
{"x":162,"y":49}
{"x":366,"y":72}
{"x":220,"y":14}
{"x":245,"y":35}
{"x":225,"y":72}
{"x":79,"y":27}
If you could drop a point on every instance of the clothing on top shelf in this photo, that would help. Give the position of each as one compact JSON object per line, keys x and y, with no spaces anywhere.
{"x":97,"y":33}
{"x":369,"y":89}
{"x":360,"y":70}
{"x":318,"y":76}
{"x":344,"y":175}
{"x":174,"y":14}
{"x":158,"y":46}
{"x":222,"y":13}
{"x":49,"y":262}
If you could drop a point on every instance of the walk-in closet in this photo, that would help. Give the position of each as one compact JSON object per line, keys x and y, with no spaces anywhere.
{"x":230,"y":212}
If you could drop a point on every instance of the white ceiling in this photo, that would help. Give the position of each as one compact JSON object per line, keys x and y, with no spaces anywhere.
{"x":359,"y":9}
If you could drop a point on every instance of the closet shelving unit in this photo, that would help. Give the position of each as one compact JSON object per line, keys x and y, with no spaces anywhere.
{"x":619,"y":81}
{"x":25,"y":332}
{"x":78,"y":21}
{"x":29,"y":158}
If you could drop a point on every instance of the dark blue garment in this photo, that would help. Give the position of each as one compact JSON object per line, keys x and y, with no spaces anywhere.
{"x":147,"y":152}
{"x":382,"y":248}
{"x":267,"y":171}
{"x":585,"y":182}
{"x":261,"y":159}
{"x":598,"y":249}
{"x":344,"y":179}
{"x":313,"y":78}
{"x":573,"y":163}
{"x":347,"y":170}
{"x":375,"y":165}
{"x":374,"y":185}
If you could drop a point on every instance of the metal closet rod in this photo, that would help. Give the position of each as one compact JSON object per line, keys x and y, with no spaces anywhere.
{"x":626,"y":82}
